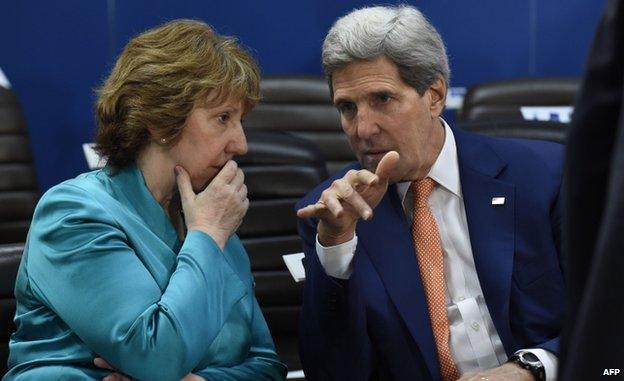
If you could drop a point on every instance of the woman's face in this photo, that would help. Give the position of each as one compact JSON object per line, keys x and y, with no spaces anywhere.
{"x":212,"y":136}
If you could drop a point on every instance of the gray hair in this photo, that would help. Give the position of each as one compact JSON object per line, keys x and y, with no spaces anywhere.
{"x":402,"y":33}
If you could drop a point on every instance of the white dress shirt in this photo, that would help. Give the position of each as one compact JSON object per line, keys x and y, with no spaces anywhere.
{"x":4,"y":82}
{"x":475,"y":344}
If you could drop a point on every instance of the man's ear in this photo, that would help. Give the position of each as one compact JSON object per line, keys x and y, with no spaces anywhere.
{"x":437,"y":92}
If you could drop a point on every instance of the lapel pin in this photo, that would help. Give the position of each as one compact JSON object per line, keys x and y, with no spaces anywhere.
{"x":498,"y":200}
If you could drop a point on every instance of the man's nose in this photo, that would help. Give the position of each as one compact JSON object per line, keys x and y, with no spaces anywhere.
{"x":367,"y":125}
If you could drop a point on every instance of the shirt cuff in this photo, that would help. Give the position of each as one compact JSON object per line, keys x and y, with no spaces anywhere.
{"x":337,"y":261}
{"x":549,"y":361}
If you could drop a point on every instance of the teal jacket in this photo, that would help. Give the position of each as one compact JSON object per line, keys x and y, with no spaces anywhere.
{"x":104,"y":274}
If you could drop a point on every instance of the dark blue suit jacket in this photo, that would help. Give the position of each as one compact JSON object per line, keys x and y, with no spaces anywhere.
{"x":376,"y":324}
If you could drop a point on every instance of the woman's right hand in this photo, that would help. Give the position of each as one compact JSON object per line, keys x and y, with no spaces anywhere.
{"x":118,"y":376}
{"x":219,"y":209}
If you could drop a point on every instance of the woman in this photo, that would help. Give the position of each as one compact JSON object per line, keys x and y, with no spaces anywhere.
{"x":137,"y":264}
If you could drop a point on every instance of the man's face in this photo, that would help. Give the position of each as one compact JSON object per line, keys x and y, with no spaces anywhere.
{"x":379,"y":112}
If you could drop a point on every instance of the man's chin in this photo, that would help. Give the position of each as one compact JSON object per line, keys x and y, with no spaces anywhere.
{"x":370,"y":165}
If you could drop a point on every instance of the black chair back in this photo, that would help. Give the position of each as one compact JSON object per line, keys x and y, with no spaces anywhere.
{"x":18,"y":184}
{"x":502,"y":100}
{"x":302,"y":106}
{"x":10,"y":256}
{"x":520,"y":129}
{"x":279,"y":169}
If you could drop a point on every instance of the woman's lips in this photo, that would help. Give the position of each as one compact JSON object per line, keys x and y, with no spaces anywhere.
{"x":217,"y":167}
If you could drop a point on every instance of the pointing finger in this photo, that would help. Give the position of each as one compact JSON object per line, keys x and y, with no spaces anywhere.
{"x":387,"y":165}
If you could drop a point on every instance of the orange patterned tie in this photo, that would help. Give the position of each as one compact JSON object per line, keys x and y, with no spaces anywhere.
{"x":429,"y":253}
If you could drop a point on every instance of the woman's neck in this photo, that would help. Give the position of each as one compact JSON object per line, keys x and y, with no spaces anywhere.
{"x":160,"y":179}
{"x":158,"y":172}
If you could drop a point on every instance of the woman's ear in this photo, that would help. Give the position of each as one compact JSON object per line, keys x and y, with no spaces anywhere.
{"x":157,"y":137}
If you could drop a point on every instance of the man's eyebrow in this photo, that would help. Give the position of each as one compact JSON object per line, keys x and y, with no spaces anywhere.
{"x":374,"y":93}
{"x":340,"y":100}
{"x":383,"y":92}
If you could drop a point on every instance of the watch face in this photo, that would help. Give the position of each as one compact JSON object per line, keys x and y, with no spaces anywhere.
{"x":530,"y":358}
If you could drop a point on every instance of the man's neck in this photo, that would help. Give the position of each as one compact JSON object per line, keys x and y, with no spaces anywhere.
{"x":438,"y":135}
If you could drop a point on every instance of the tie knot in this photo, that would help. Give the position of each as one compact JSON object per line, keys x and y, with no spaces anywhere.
{"x":422,"y":190}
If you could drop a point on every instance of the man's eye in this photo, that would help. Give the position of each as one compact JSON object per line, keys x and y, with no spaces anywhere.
{"x":346,"y":107}
{"x":223,"y":118}
{"x":384,"y":98}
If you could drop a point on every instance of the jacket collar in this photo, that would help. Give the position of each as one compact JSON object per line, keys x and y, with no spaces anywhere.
{"x":133,"y":192}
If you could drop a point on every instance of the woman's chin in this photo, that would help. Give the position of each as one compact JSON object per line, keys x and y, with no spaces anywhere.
{"x":200,"y":184}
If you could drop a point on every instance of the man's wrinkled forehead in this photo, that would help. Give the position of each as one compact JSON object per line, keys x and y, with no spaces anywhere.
{"x":365,"y":77}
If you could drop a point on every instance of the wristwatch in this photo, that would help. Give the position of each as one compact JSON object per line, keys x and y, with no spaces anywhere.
{"x":530,"y":362}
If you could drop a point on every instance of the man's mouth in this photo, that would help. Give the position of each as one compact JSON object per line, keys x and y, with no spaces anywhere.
{"x":375,"y":155}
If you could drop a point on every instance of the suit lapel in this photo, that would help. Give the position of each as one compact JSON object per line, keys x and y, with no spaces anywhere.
{"x":491,"y":227}
{"x":387,"y":241}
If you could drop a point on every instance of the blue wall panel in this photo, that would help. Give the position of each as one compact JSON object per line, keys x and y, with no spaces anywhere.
{"x":565,"y":31}
{"x":56,"y":52}
{"x":485,"y":42}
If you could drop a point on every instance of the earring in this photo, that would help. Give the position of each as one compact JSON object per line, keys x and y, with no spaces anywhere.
{"x":163,"y":140}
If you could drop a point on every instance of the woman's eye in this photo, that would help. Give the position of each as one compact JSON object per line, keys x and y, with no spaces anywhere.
{"x":223,"y":118}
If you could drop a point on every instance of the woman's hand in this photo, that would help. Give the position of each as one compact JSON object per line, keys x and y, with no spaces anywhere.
{"x":118,"y":376}
{"x":219,"y":209}
{"x":115,"y":375}
{"x":193,"y":377}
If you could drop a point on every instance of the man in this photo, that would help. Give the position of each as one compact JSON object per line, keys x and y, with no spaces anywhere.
{"x":436,"y":255}
{"x":593,"y":239}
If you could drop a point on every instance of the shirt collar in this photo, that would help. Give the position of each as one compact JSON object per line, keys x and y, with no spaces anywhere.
{"x":445,"y":170}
